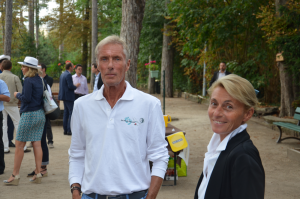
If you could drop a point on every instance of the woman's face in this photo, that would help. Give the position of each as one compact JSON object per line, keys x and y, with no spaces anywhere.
{"x":226,"y":113}
{"x":24,"y":69}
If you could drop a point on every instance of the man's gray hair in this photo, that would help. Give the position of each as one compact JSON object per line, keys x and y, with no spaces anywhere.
{"x":113,"y":39}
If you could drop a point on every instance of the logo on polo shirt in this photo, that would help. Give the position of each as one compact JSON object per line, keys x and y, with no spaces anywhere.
{"x":133,"y":121}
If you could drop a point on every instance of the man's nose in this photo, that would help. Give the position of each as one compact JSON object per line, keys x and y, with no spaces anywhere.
{"x":110,"y":63}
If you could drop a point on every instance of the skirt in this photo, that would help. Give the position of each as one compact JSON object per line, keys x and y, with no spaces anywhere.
{"x":31,"y":126}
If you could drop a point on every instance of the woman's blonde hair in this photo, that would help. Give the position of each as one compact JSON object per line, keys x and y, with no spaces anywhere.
{"x":238,"y":88}
{"x":31,"y":72}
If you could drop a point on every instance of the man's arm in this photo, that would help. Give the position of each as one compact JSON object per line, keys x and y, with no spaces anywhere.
{"x":70,"y":82}
{"x":4,"y":98}
{"x":4,"y":94}
{"x":156,"y":149}
{"x":18,"y":84}
{"x":76,"y":151}
{"x":154,"y":187}
{"x":86,"y":89}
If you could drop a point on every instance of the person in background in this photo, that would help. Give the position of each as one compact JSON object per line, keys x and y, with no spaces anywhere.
{"x":10,"y":108}
{"x":66,"y":93}
{"x":81,"y":79}
{"x":9,"y":124}
{"x":97,"y":80}
{"x":49,"y":81}
{"x":4,"y":97}
{"x":232,"y":166}
{"x":32,"y":120}
{"x":219,"y":74}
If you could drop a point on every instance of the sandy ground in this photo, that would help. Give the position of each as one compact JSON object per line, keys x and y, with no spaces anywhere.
{"x":282,"y":174}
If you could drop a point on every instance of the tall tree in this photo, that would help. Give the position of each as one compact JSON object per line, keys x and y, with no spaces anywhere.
{"x":31,"y":17}
{"x":8,"y":27}
{"x":286,"y":80}
{"x":85,"y":36}
{"x":94,"y":36}
{"x":132,"y":18}
{"x":167,"y":60}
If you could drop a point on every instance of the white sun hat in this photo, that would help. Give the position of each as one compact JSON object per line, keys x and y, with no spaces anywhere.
{"x":4,"y":57}
{"x":30,"y":62}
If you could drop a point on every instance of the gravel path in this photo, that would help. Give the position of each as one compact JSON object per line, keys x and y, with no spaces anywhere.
{"x":282,"y":174}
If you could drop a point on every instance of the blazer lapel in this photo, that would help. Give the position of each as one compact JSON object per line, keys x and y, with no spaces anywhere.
{"x":215,"y":182}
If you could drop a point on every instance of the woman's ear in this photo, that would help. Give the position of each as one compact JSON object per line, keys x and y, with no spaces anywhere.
{"x":248,"y":114}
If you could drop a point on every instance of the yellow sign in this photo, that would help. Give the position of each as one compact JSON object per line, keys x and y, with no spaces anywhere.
{"x":177,"y":141}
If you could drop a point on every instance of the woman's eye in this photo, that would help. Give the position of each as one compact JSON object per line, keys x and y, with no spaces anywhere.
{"x":213,"y":103}
{"x":229,"y":107}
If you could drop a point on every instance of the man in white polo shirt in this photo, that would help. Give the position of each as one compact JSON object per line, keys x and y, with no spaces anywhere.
{"x":116,"y":131}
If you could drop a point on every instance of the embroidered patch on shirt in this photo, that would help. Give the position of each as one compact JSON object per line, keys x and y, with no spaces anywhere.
{"x":133,"y":121}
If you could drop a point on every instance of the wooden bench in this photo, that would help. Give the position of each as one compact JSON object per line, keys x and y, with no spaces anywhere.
{"x":54,"y":94}
{"x":294,"y":127}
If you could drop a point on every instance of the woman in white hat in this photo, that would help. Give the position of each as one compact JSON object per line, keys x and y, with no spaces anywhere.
{"x":232,"y":165}
{"x":32,"y":120}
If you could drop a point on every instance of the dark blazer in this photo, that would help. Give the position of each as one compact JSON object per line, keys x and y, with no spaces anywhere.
{"x":238,"y":172}
{"x":49,"y":80}
{"x":100,"y":82}
{"x":215,"y":77}
{"x":32,"y":94}
{"x":66,"y":87}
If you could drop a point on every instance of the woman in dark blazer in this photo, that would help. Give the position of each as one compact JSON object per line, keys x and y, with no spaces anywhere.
{"x":232,"y":166}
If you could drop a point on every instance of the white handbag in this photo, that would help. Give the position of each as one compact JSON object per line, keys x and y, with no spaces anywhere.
{"x":49,"y":104}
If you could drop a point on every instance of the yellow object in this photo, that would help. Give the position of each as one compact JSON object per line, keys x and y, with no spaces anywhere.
{"x":166,"y":118}
{"x":177,"y":141}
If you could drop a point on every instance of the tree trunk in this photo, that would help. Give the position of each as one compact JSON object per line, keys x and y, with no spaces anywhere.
{"x":31,"y":18}
{"x":61,"y":46}
{"x":2,"y":21}
{"x":85,"y":37}
{"x":132,"y":18}
{"x":94,"y":37}
{"x":8,"y":28}
{"x":37,"y":23}
{"x":286,"y":79}
{"x":167,"y":64}
{"x":286,"y":91}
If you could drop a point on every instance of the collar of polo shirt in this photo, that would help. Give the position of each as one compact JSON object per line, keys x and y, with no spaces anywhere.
{"x":126,"y":96}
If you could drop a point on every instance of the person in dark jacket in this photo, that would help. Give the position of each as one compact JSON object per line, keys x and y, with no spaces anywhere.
{"x":98,"y":80}
{"x":232,"y":166}
{"x":221,"y":73}
{"x":32,"y":120}
{"x":66,"y":93}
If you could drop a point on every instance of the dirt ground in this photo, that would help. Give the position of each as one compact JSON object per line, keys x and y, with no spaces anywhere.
{"x":282,"y":174}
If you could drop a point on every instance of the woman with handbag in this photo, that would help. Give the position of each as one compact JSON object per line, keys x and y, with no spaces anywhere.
{"x":232,"y":166}
{"x":32,"y":120}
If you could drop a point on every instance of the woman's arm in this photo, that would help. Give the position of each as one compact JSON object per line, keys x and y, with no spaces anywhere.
{"x":248,"y":178}
{"x":27,"y":92}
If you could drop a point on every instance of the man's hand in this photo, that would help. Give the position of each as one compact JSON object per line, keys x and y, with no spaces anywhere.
{"x":76,"y":193}
{"x":15,"y":94}
{"x":77,"y":85}
{"x":154,"y":187}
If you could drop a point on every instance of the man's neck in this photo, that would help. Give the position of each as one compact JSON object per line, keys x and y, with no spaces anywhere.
{"x":44,"y":75}
{"x":114,"y":93}
{"x":223,"y":71}
{"x":96,"y":73}
{"x":78,"y":75}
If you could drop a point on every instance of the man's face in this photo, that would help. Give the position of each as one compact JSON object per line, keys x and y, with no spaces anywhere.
{"x":94,"y":70}
{"x":222,"y":67}
{"x":112,"y":64}
{"x":78,"y":70}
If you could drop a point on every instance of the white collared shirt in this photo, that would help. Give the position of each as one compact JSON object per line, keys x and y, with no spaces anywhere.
{"x":111,"y":147}
{"x":221,"y":74}
{"x":83,"y":88}
{"x":214,"y":149}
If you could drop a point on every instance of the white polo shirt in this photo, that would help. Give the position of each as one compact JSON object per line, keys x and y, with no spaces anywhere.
{"x":111,"y":147}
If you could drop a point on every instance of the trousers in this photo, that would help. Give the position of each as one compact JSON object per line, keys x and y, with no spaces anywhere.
{"x":2,"y":163}
{"x":68,"y":109}
{"x":14,"y":114}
